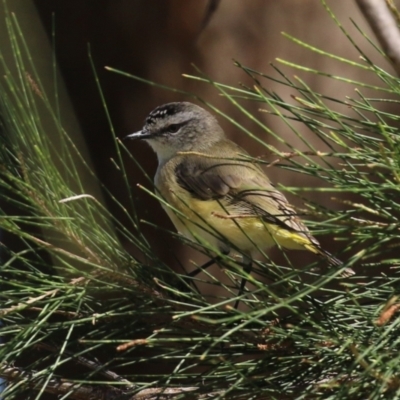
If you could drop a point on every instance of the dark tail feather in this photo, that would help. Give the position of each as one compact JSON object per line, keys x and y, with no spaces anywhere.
{"x":336,"y":263}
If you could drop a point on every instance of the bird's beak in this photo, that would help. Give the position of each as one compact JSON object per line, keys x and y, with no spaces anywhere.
{"x":143,"y":134}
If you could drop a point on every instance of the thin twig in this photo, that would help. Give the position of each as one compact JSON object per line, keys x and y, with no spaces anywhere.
{"x":22,"y":306}
{"x":231,"y":216}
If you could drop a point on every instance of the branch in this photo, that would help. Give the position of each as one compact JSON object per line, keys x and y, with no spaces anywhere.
{"x":77,"y":391}
{"x":385,"y":28}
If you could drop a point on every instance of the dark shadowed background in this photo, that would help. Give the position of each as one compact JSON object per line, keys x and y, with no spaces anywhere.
{"x":161,"y":39}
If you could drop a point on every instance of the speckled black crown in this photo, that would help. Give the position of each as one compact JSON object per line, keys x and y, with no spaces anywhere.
{"x":164,"y":111}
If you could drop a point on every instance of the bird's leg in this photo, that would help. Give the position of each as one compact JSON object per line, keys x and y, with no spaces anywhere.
{"x":247,"y":263}
{"x":215,"y":260}
{"x":196,"y":271}
{"x":203,"y":267}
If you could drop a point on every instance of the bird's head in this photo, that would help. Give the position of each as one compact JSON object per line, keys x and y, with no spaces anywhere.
{"x":179,"y":127}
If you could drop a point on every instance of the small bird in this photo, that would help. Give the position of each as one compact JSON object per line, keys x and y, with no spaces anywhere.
{"x":214,"y":194}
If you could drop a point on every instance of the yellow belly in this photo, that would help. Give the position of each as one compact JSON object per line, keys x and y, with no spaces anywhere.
{"x":208,"y":223}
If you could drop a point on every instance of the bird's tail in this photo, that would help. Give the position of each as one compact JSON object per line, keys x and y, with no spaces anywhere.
{"x":312,"y":245}
{"x":336,"y":263}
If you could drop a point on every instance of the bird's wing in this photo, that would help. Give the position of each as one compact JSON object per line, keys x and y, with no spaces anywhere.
{"x":241,"y":187}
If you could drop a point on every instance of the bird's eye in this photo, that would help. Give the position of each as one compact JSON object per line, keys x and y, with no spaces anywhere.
{"x":173,"y":128}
